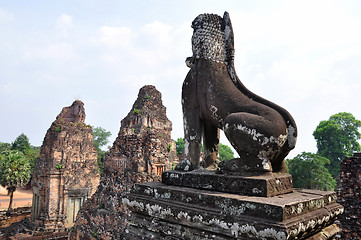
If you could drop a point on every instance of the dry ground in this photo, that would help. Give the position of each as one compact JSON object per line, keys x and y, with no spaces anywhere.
{"x":22,"y":198}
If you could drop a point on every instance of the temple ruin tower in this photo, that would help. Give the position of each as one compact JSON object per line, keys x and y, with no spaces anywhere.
{"x":67,"y":173}
{"x":140,"y":153}
{"x":145,"y":138}
{"x":349,"y":195}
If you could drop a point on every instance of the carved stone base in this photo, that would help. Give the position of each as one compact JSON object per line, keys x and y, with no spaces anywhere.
{"x":169,"y":212}
{"x":261,"y":184}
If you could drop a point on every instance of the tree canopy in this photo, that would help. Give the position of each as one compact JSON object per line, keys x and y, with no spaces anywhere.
{"x":309,"y":171}
{"x":14,"y":170}
{"x":225,"y":152}
{"x":21,"y":143}
{"x":101,"y":138}
{"x":32,"y":155}
{"x":4,"y":147}
{"x":337,"y":138}
{"x":179,"y":145}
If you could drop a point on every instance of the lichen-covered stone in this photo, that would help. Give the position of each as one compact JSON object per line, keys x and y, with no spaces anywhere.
{"x":140,"y":153}
{"x":169,"y":212}
{"x":67,"y":172}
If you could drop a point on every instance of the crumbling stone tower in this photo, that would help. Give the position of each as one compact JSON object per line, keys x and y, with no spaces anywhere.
{"x":349,"y":195}
{"x":144,"y":138}
{"x":141,"y":152}
{"x":67,"y":173}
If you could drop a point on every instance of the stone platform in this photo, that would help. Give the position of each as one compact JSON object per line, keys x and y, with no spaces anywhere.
{"x":261,"y":184}
{"x":160,"y":211}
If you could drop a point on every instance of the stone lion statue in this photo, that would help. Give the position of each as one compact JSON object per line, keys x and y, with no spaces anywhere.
{"x":214,"y":98}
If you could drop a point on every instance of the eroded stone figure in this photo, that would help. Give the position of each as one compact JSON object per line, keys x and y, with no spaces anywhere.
{"x":214,"y":98}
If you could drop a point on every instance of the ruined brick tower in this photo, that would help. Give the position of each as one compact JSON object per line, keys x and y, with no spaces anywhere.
{"x":141,"y":152}
{"x":67,"y":173}
{"x":145,"y":138}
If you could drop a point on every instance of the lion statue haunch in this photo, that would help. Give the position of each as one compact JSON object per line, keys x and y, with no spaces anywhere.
{"x":214,"y":98}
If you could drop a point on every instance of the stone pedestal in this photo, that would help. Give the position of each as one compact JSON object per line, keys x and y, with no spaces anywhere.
{"x":261,"y":184}
{"x":160,"y":211}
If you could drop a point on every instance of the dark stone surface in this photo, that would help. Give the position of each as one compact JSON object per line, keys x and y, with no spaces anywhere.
{"x":264,"y":185}
{"x":278,"y":208}
{"x":168,"y":212}
{"x":214,"y":98}
{"x":349,"y":195}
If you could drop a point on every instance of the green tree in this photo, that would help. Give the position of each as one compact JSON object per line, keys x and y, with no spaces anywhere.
{"x":21,"y":143}
{"x":225,"y":152}
{"x":337,"y":138}
{"x":179,"y":145}
{"x":4,"y":147}
{"x":14,"y":171}
{"x":32,"y":155}
{"x":101,"y":138}
{"x":309,"y":171}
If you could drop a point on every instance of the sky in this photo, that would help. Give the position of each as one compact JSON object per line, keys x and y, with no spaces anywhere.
{"x":303,"y":55}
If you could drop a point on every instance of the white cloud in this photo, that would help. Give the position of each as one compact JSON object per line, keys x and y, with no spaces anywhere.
{"x":62,"y":51}
{"x":8,"y":89}
{"x":114,"y":36}
{"x":5,"y":16}
{"x":308,"y":24}
{"x":158,"y":33}
{"x":63,"y":24}
{"x":161,"y":43}
{"x":152,"y":47}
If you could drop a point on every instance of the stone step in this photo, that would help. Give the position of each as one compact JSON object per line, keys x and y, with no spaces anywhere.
{"x":289,"y":216}
{"x":278,"y":208}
